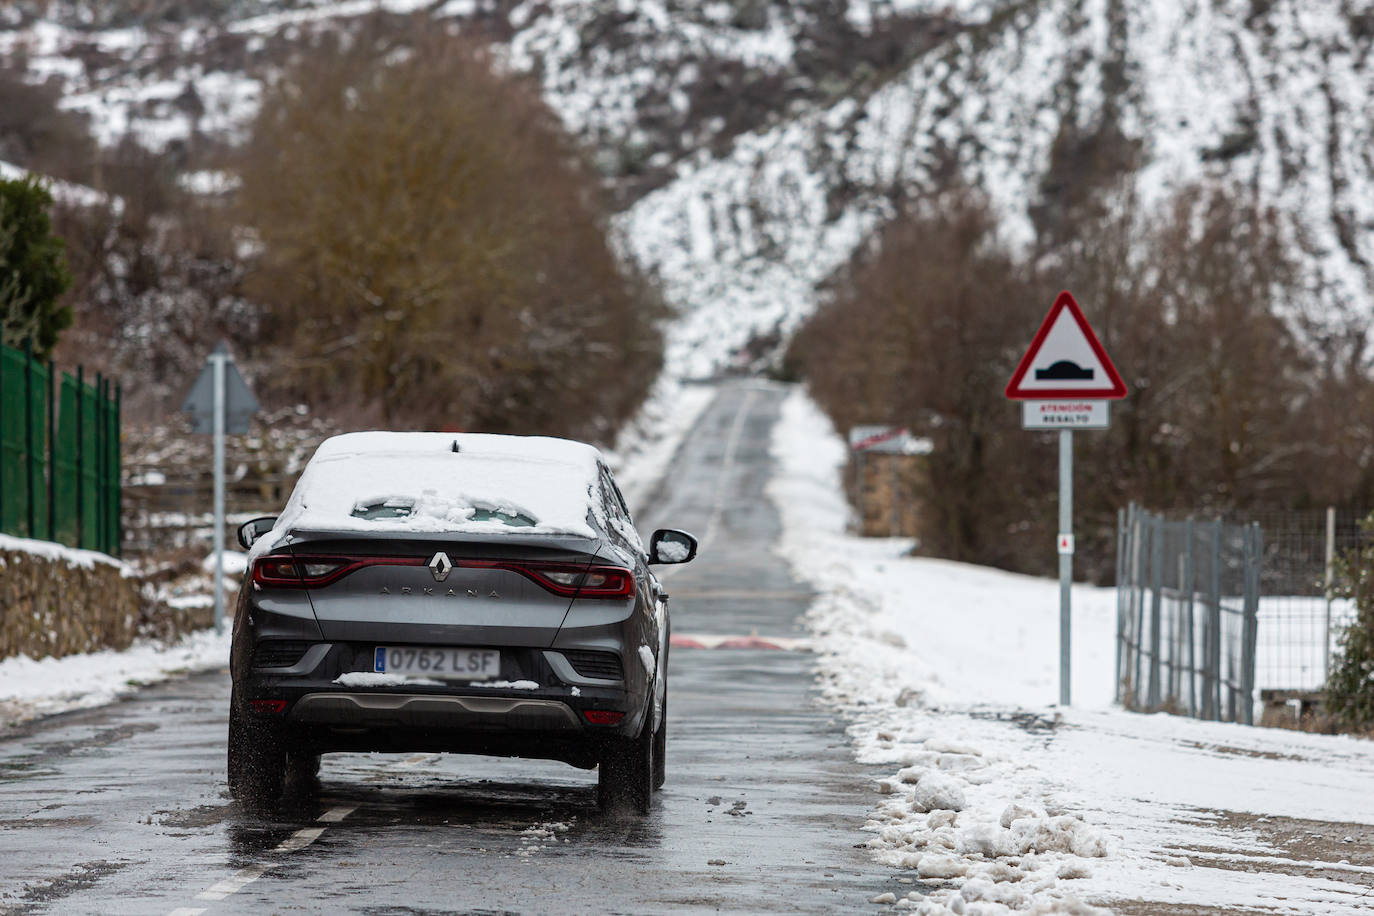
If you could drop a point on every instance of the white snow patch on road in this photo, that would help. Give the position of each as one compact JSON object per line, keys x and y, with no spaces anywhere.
{"x":947,"y":673}
{"x":33,"y":687}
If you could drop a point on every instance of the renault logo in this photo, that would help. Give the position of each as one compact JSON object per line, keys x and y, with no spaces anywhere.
{"x":440,"y":565}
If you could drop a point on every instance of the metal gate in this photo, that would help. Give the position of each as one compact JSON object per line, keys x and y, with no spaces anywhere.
{"x":1187,"y":610}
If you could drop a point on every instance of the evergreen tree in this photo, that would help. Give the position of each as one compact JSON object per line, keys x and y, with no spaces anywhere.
{"x":33,"y":268}
{"x":1350,"y":688}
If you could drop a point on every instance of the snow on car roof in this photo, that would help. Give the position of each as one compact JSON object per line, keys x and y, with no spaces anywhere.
{"x":417,"y":482}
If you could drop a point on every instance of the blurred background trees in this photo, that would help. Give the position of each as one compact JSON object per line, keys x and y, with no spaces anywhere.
{"x":1228,"y":410}
{"x":433,"y":251}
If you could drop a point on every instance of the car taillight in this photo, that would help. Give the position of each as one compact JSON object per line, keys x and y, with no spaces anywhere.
{"x":602,"y":716}
{"x":579,"y":581}
{"x":268,"y":707}
{"x":284,"y":571}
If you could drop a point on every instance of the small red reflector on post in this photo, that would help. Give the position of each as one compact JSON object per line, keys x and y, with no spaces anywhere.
{"x":270,"y":707}
{"x":602,"y":716}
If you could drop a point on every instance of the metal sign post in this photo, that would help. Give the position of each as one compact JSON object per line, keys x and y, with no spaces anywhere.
{"x":1064,"y":381}
{"x":217,"y":361}
{"x":220,"y":403}
{"x":1065,"y":559}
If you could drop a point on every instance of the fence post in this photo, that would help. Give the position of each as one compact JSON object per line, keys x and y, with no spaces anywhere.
{"x":80,"y":456}
{"x":52,"y":454}
{"x":119,"y":470}
{"x":1120,"y":594}
{"x":28,"y":437}
{"x":1254,"y":553}
{"x":2,"y":436}
{"x":1189,"y":585}
{"x":99,"y":461}
{"x":1142,"y":518}
{"x":1214,"y":622}
{"x":1156,"y":606}
{"x":1329,"y":589}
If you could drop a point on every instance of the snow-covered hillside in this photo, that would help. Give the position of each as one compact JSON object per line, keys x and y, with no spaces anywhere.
{"x":1278,"y":101}
{"x":754,"y":143}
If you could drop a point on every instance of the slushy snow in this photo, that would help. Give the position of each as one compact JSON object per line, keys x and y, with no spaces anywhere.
{"x":947,"y":673}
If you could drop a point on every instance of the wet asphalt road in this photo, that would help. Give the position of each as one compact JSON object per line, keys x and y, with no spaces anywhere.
{"x":123,"y":809}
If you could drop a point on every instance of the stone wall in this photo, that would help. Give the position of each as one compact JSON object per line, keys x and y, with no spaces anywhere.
{"x":56,"y":602}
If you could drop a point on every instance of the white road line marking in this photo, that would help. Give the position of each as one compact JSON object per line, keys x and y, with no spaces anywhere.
{"x":335,"y":815}
{"x":234,"y":883}
{"x":246,"y":876}
{"x":300,"y":839}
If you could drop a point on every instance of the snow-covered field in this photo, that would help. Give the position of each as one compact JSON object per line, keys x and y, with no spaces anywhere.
{"x":948,"y":675}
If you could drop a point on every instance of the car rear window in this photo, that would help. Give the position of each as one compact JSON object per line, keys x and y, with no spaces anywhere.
{"x":388,"y":509}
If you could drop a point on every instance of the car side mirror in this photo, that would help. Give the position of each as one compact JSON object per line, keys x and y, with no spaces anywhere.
{"x":251,"y":531}
{"x":669,"y":545}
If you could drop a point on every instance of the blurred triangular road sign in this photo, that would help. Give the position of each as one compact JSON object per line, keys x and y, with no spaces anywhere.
{"x":1065,"y":361}
{"x":239,"y":404}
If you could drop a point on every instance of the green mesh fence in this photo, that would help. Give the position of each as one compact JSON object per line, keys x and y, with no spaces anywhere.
{"x":59,"y":455}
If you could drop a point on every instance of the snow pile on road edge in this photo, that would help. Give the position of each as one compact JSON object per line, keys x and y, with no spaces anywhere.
{"x":647,"y":444}
{"x":955,"y":813}
{"x":38,"y":687}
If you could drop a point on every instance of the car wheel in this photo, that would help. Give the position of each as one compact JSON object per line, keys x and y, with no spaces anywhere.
{"x":625,"y":777}
{"x":257,"y":760}
{"x":661,"y":749}
{"x":302,"y":772}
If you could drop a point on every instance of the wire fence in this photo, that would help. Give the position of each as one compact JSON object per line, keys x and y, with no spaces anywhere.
{"x":1188,"y":596}
{"x":1301,"y":616}
{"x":59,"y":454}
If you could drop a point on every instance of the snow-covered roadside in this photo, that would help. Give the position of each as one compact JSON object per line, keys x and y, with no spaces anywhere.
{"x":998,"y":801}
{"x":647,"y":445}
{"x":34,"y":687}
{"x":30,"y":687}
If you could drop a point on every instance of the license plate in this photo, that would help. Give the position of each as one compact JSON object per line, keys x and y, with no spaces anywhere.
{"x":458,"y":664}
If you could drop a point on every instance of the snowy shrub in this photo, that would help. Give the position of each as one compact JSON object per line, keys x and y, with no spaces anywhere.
{"x":1350,"y":688}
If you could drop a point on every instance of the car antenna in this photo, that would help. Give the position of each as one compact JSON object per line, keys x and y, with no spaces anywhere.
{"x":456,"y":449}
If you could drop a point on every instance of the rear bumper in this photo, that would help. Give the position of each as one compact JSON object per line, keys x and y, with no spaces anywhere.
{"x":400,"y":710}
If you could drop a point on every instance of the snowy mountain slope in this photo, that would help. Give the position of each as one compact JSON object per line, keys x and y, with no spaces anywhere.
{"x":755,"y":143}
{"x":1278,"y":100}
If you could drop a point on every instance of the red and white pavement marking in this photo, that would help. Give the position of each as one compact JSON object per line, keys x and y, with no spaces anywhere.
{"x":754,"y":641}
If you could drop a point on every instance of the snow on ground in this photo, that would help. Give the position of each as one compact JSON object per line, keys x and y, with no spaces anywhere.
{"x":647,"y":445}
{"x":997,"y":800}
{"x":30,"y":687}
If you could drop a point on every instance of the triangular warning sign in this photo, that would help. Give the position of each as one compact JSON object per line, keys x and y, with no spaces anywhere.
{"x":1065,"y":360}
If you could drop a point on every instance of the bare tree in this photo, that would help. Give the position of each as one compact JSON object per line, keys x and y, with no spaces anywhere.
{"x":433,"y":246}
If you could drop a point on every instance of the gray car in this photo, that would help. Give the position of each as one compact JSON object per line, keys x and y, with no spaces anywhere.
{"x":460,"y":593}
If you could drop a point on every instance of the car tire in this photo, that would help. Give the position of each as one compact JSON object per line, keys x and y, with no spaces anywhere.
{"x":625,"y":777}
{"x":302,"y":773}
{"x":256,"y":760}
{"x":661,"y":749}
